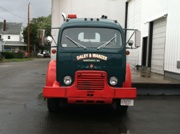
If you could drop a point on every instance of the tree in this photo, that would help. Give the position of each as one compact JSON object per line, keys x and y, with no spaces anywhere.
{"x":35,"y":26}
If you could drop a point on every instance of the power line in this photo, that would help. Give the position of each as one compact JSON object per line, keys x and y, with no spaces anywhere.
{"x":4,"y":19}
{"x":12,"y":13}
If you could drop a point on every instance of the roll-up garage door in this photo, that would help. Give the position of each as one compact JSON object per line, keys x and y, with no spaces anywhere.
{"x":158,"y":45}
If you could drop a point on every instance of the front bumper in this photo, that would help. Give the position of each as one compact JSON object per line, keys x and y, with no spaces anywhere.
{"x":74,"y":95}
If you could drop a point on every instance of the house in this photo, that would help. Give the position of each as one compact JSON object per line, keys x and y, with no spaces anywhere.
{"x":159,"y":23}
{"x":11,"y":37}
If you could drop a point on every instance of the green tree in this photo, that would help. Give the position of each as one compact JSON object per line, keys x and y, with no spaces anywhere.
{"x":35,"y":26}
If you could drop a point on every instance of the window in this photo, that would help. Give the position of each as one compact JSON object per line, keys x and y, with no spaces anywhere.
{"x":100,"y":38}
{"x":9,"y":37}
{"x":0,"y":36}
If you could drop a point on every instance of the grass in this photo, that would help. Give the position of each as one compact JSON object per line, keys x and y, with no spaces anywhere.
{"x":17,"y":60}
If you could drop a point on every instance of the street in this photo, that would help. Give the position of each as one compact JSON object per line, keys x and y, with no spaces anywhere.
{"x":23,"y":109}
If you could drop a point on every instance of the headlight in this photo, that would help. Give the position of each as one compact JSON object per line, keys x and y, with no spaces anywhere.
{"x":67,"y":80}
{"x":113,"y":81}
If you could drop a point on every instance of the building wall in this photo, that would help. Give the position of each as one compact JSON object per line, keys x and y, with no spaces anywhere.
{"x":150,"y":11}
{"x":172,"y":50}
{"x":134,"y":21}
{"x":12,"y":37}
{"x":114,"y":9}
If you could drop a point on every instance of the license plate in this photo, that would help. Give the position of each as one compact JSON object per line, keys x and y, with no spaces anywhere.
{"x":127,"y":102}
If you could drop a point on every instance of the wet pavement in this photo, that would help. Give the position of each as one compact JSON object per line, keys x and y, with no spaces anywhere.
{"x":24,"y":111}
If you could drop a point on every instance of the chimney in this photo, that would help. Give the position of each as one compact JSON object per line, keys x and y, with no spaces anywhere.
{"x":4,"y":28}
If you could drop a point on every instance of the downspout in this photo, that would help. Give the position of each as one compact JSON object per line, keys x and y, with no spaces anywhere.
{"x":126,"y":17}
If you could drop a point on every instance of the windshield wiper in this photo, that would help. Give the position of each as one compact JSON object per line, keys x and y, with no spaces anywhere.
{"x":76,"y":43}
{"x":107,"y":43}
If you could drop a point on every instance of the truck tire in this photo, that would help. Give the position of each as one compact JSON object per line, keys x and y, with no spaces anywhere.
{"x":118,"y":108}
{"x":53,"y":104}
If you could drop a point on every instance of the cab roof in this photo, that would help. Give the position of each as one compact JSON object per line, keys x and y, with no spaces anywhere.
{"x":91,"y":22}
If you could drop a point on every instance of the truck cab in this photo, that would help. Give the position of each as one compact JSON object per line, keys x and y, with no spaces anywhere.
{"x":90,"y":66}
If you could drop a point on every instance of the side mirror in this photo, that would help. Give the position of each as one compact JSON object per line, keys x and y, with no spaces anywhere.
{"x":48,"y":40}
{"x":137,"y":38}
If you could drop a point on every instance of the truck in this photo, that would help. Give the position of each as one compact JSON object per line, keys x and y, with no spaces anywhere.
{"x":90,"y":65}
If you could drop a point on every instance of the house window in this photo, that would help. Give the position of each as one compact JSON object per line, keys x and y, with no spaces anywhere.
{"x":9,"y":37}
{"x":0,"y":36}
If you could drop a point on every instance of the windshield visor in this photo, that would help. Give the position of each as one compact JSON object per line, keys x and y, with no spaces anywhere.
{"x":99,"y":38}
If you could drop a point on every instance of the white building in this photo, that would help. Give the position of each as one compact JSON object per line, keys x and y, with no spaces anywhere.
{"x":114,"y":9}
{"x":159,"y":23}
{"x":11,"y":36}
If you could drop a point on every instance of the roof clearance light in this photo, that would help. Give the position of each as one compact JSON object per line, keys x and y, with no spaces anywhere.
{"x":72,"y":16}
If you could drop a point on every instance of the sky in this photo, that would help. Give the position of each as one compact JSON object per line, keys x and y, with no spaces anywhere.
{"x":17,"y":10}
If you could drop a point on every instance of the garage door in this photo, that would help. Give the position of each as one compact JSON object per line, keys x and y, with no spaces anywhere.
{"x":158,"y":46}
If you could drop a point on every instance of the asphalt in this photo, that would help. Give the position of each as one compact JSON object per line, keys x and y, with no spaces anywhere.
{"x":148,"y":83}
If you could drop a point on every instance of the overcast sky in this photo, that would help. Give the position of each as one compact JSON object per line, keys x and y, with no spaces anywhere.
{"x":17,"y":10}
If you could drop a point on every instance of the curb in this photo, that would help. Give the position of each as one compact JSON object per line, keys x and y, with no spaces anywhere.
{"x":157,"y":88}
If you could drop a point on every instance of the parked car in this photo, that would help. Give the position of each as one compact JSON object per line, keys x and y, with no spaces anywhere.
{"x":40,"y":55}
{"x":46,"y":54}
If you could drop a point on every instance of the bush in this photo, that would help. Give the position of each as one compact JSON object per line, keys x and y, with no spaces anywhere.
{"x":11,"y":55}
{"x":1,"y":57}
{"x":18,"y":55}
{"x":8,"y":55}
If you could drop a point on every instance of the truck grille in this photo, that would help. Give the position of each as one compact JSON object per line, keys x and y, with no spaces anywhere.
{"x":90,"y":80}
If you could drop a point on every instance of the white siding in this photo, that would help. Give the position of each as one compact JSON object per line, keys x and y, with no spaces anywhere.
{"x":12,"y":37}
{"x":114,"y":9}
{"x":140,"y":13}
{"x":134,"y":21}
{"x":172,"y":50}
{"x":158,"y":45}
{"x":151,"y":10}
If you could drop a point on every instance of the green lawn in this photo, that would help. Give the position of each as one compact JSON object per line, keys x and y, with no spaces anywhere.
{"x":17,"y":60}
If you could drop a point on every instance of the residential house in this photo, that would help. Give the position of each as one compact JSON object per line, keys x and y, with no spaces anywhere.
{"x":159,"y":23}
{"x":11,"y":37}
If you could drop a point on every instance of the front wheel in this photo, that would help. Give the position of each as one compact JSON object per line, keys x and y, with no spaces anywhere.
{"x":118,"y":108}
{"x":53,"y":104}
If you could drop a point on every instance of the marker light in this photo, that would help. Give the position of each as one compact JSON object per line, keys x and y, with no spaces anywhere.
{"x":113,"y":81}
{"x":127,"y":52}
{"x":53,"y":51}
{"x":67,"y":80}
{"x":72,"y":16}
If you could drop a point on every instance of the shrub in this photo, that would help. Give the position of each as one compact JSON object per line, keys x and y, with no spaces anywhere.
{"x":18,"y":55}
{"x":8,"y":55}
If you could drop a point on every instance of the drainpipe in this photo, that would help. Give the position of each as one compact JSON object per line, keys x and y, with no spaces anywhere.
{"x":126,"y":17}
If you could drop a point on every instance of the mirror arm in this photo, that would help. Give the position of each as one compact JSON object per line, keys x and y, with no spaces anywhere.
{"x":131,"y":47}
{"x":130,"y":37}
{"x":53,"y":46}
{"x":54,"y":40}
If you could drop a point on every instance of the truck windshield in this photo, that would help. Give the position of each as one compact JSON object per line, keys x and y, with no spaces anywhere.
{"x":98,"y":38}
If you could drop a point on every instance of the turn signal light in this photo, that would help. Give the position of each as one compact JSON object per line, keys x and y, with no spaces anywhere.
{"x":127,"y":52}
{"x":53,"y":51}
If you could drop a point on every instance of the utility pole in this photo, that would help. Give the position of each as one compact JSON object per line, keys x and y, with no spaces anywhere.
{"x":29,"y":30}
